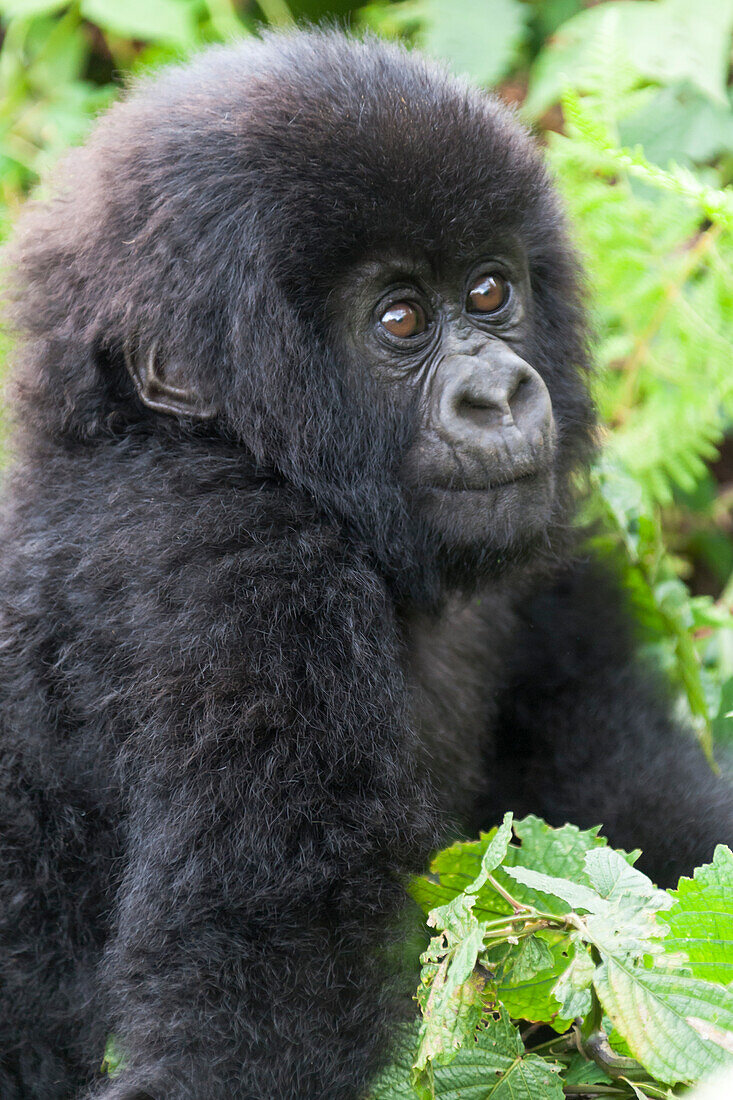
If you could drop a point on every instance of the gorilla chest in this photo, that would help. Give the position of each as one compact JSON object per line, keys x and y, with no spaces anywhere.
{"x":454,"y":670}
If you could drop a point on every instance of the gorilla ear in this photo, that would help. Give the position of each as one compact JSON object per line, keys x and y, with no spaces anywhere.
{"x":161,"y":384}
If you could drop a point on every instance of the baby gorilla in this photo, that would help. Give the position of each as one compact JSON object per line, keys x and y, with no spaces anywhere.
{"x":287,"y":590}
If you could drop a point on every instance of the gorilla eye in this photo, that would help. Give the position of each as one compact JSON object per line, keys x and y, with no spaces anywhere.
{"x":488,"y":294}
{"x":404,"y":319}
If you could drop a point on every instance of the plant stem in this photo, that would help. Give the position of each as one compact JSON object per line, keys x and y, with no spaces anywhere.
{"x":516,"y":906}
{"x":593,"y":1090}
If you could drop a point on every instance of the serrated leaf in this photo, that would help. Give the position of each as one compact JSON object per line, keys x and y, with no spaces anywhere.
{"x":625,"y":931}
{"x":464,"y":960}
{"x":572,"y":989}
{"x":456,"y":917}
{"x":450,"y":1017}
{"x":582,"y":1072}
{"x":560,"y":851}
{"x":576,"y":895}
{"x":495,"y":854}
{"x":393,"y":1083}
{"x":429,"y":894}
{"x":532,"y":999}
{"x":495,"y":1065}
{"x":532,"y":957}
{"x":613,"y":878}
{"x":701,"y":919}
{"x":652,"y":1011}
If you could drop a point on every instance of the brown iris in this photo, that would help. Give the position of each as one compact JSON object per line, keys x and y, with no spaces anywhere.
{"x":488,"y":293}
{"x":404,"y":319}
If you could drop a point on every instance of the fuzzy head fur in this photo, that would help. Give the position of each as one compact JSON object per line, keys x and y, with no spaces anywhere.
{"x":212,"y":212}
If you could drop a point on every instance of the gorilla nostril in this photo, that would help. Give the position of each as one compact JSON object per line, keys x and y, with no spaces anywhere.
{"x":483,"y":412}
{"x":522,"y":394}
{"x":522,"y":383}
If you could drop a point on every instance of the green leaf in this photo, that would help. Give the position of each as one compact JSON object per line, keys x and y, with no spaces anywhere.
{"x":701,"y":919}
{"x":625,"y":931}
{"x":686,"y":41}
{"x":622,"y":924}
{"x":679,"y":123}
{"x":496,"y":1066}
{"x":394,"y":1083}
{"x":151,"y":20}
{"x":532,"y":957}
{"x":493,"y":1066}
{"x":669,"y":40}
{"x":495,"y":854}
{"x":481,"y":44}
{"x":576,"y":895}
{"x":560,"y":851}
{"x":113,"y":1061}
{"x":572,"y":989}
{"x":616,"y":880}
{"x":450,"y":993}
{"x":451,"y":1014}
{"x":532,"y":998}
{"x":456,"y":917}
{"x":26,"y":9}
{"x":661,"y":1017}
{"x":582,"y":1072}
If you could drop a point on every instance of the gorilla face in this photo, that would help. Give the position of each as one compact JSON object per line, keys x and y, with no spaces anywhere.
{"x":451,"y":341}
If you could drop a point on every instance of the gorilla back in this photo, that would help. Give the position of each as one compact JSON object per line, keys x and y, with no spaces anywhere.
{"x":285,"y":580}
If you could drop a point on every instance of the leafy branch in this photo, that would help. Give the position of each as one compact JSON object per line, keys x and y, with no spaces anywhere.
{"x":594,"y":952}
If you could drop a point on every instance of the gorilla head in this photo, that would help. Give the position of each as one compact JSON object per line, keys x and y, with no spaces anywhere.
{"x":269,"y":247}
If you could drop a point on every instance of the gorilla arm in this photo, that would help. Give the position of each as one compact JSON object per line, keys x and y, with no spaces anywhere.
{"x":586,"y":733}
{"x":275,"y":811}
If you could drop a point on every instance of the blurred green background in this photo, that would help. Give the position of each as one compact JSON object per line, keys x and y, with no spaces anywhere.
{"x":632,"y":99}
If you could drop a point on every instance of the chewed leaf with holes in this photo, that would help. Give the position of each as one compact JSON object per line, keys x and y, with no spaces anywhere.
{"x":493,"y":1065}
{"x":497,"y":1065}
{"x":559,"y":852}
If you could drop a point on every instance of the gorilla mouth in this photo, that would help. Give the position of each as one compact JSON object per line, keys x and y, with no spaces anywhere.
{"x":453,"y":470}
{"x":503,"y":482}
{"x":486,"y":485}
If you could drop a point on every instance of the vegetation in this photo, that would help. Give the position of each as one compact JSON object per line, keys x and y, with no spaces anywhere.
{"x":552,"y":927}
{"x":633,"y":100}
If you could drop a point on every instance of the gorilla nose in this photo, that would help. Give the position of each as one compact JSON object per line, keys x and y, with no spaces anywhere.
{"x":497,"y":411}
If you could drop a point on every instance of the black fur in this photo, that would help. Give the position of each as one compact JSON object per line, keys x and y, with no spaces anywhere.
{"x":227,"y":650}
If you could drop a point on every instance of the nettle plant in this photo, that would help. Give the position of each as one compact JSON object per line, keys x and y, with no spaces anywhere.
{"x":552,"y":927}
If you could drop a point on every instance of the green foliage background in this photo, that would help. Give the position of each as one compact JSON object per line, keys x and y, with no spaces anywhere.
{"x":633,"y":101}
